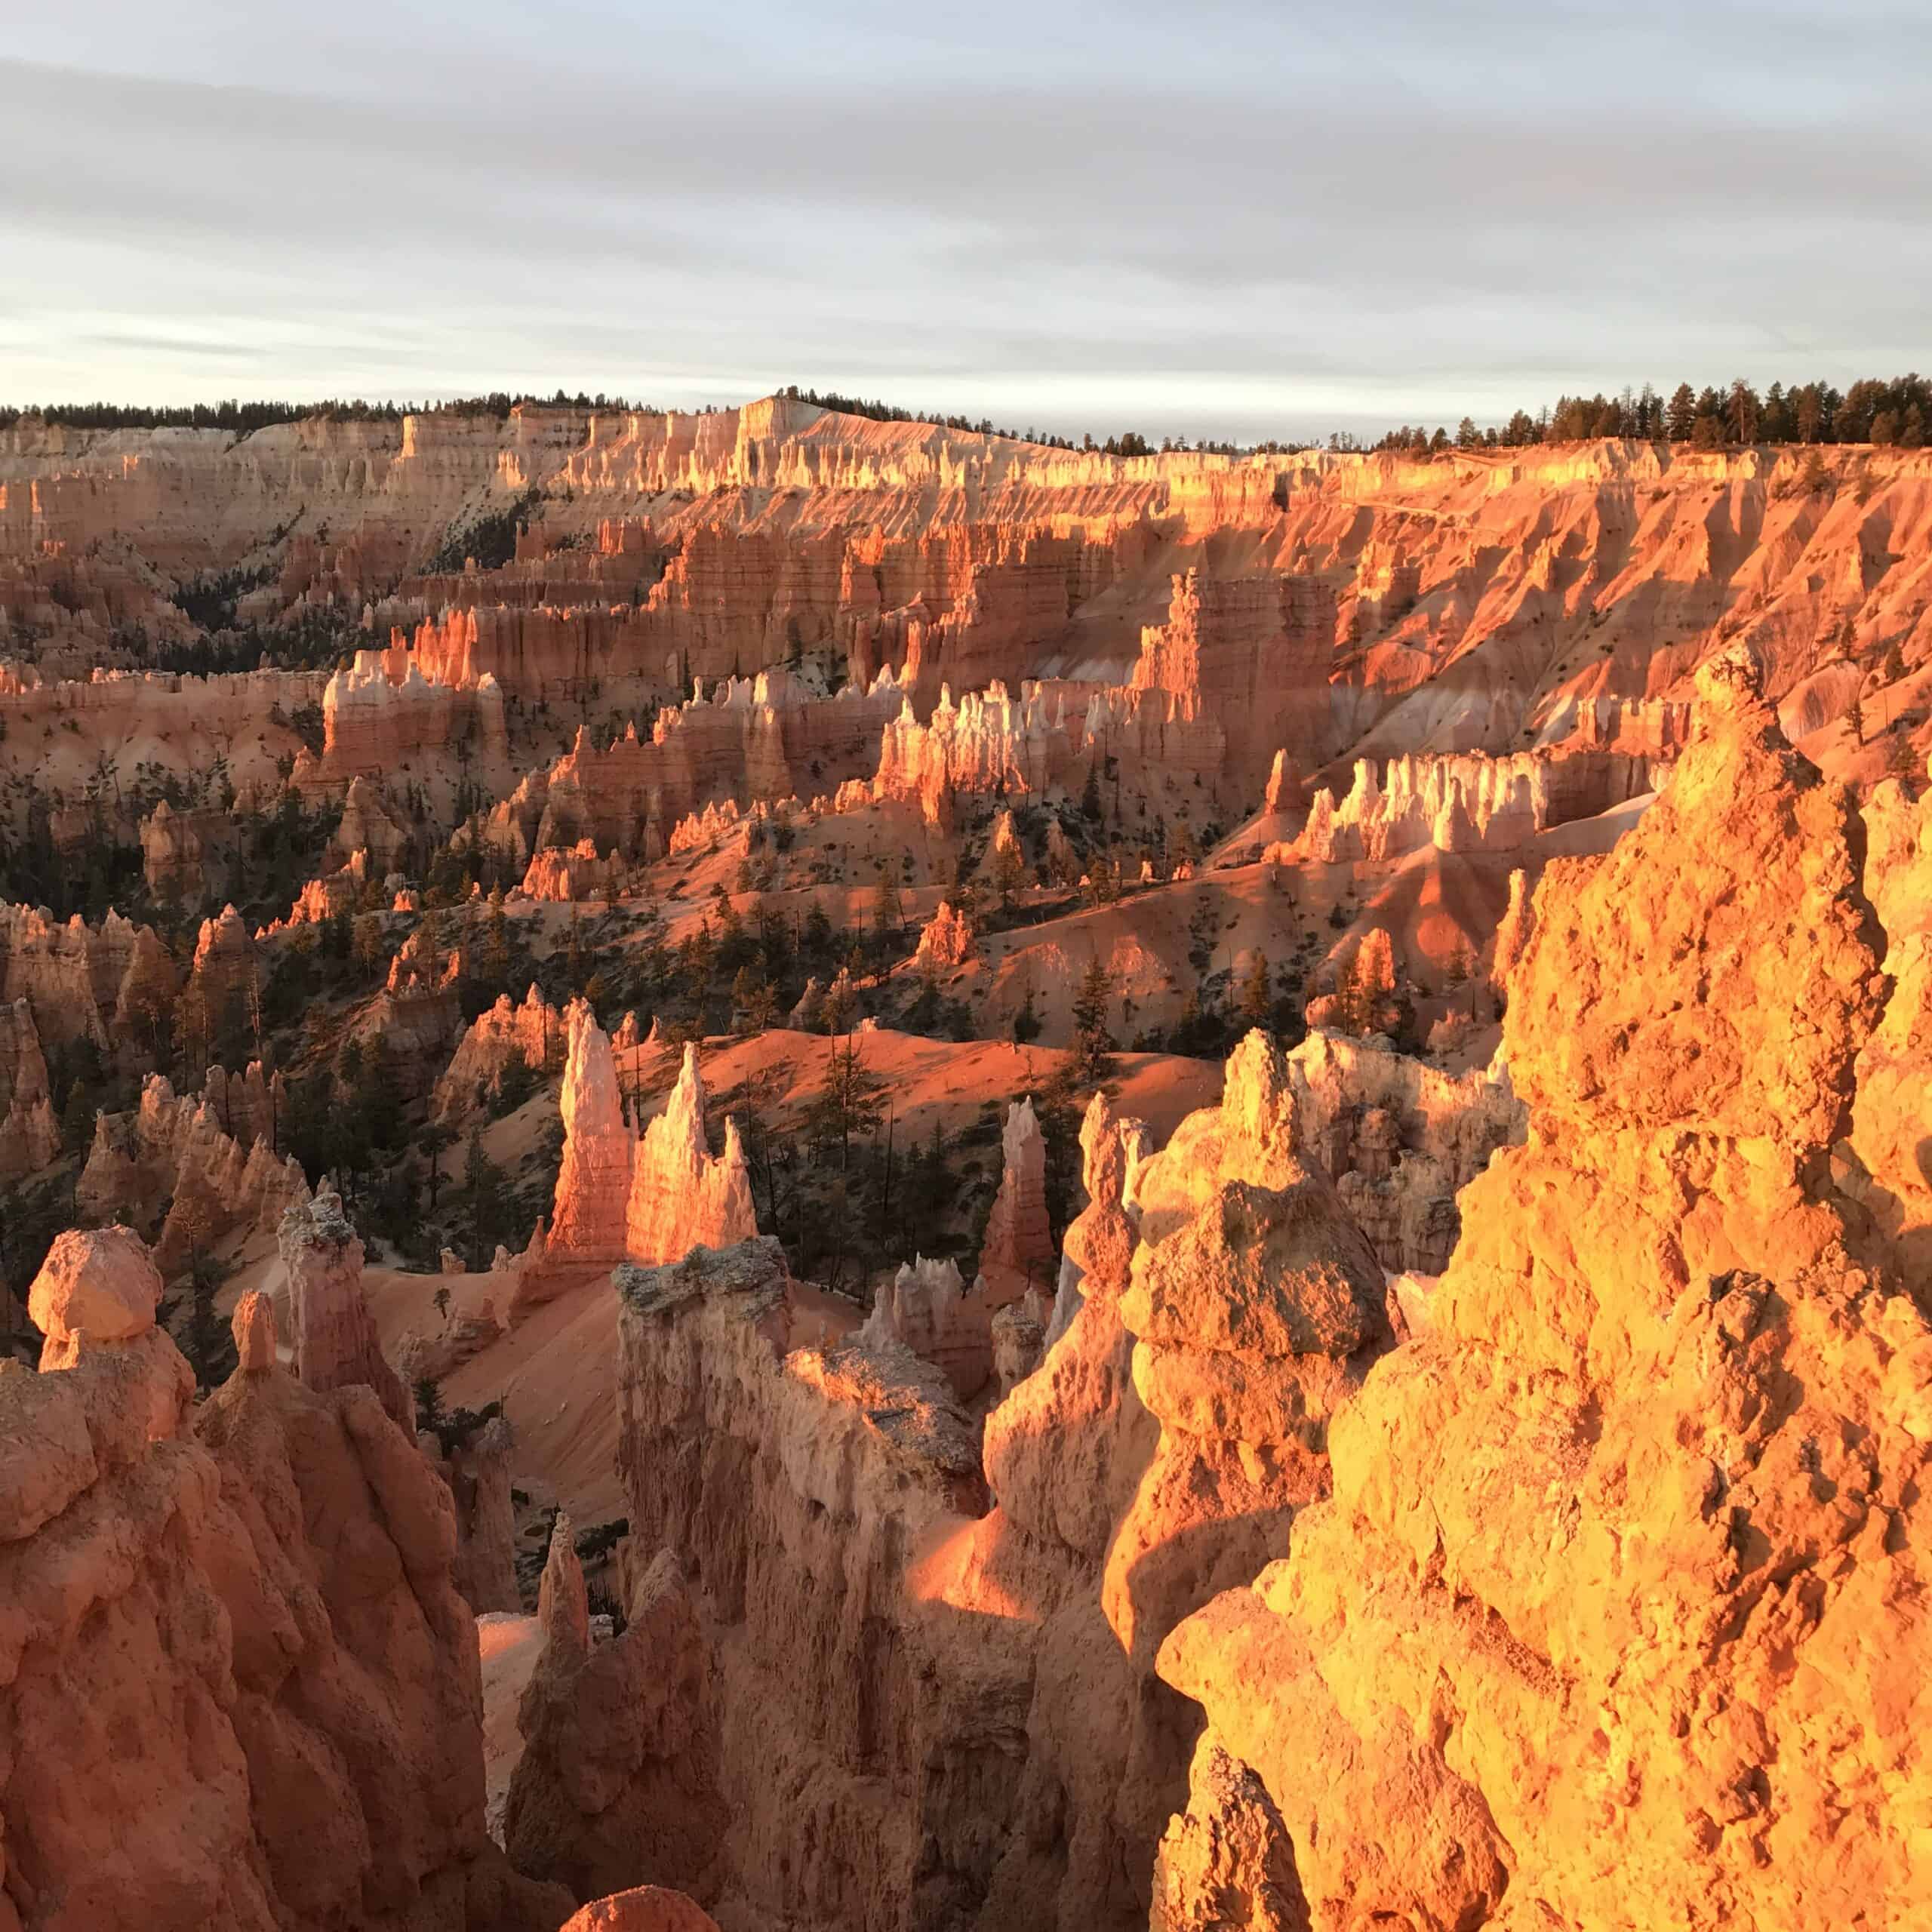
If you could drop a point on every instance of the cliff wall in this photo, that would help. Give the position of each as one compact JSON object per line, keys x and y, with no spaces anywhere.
{"x":1613,"y":1618}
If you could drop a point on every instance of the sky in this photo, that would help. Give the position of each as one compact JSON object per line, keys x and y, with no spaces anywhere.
{"x":1235,"y":219}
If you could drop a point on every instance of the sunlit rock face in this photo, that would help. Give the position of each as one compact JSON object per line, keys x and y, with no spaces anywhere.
{"x":849,"y":1468}
{"x":620,"y":1195}
{"x":1609,"y":1619}
{"x":232,"y":1632}
{"x":332,"y":1331}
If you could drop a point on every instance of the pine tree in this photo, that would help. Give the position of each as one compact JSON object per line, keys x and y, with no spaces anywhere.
{"x":1091,"y":1040}
{"x":1009,"y":872}
{"x":1742,"y":407}
{"x":1257,"y":999}
{"x":847,"y":1105}
{"x":1090,"y":808}
{"x":888,"y":911}
{"x":208,"y":1345}
{"x":1854,"y":719}
{"x":430,"y":1413}
{"x":1680,"y":418}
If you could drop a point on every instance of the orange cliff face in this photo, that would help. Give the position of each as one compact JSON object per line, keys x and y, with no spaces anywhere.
{"x":1631,"y":1520}
{"x":193,"y":1597}
{"x":1306,"y":599}
{"x":623,"y":1195}
{"x":1461,"y":1488}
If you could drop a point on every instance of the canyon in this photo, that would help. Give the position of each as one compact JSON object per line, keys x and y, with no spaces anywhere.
{"x":790,"y":1172}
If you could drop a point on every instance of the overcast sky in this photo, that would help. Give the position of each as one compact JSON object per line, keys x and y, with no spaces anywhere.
{"x":1225,"y":217}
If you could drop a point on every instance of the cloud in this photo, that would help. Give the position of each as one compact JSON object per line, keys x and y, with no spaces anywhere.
{"x":1273,"y":212}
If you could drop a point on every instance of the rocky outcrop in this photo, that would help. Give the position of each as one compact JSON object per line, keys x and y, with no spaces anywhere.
{"x":1399,"y":1138}
{"x":945,"y":941}
{"x":642,"y":1908}
{"x":533,"y":1033}
{"x":1467,"y":803}
{"x":1256,"y":1307}
{"x":372,"y":829}
{"x":566,"y":874}
{"x":864,"y":1780}
{"x":224,"y":977}
{"x":1363,"y":1000}
{"x":188,"y":854}
{"x":681,"y":1195}
{"x":29,"y":1134}
{"x":619,"y":1776}
{"x":1885,"y":1163}
{"x":1017,"y":1253}
{"x":331,"y":1331}
{"x":1018,"y":1336}
{"x":1113,"y":1151}
{"x":210,"y":1159}
{"x":746,"y":741}
{"x":387,"y":711}
{"x":477,"y":1468}
{"x":587,"y":1222}
{"x":1609,"y":1620}
{"x":418,"y":1015}
{"x":102,"y":984}
{"x":97,"y":1285}
{"x":927,"y":1308}
{"x":620,"y":1195}
{"x":1512,"y":935}
{"x":239,"y":1645}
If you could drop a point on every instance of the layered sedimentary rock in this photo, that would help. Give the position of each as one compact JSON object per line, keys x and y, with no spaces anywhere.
{"x":97,"y":983}
{"x":418,"y":1015}
{"x":1257,"y":1306}
{"x":992,"y":744}
{"x":210,"y":1158}
{"x":1883,"y":1162}
{"x":618,"y":1777}
{"x":224,"y":979}
{"x":577,"y":872}
{"x":1018,"y":1251}
{"x":1449,"y":605}
{"x":1467,"y":803}
{"x":620,"y":1195}
{"x":1253,"y":653}
{"x":1399,"y":1138}
{"x":1113,"y":1150}
{"x":96,"y":1285}
{"x":945,"y":941}
{"x":238,"y":1691}
{"x":682,"y":1196}
{"x":987,"y":743}
{"x":533,"y":1033}
{"x":188,"y":854}
{"x":928,"y":1308}
{"x":756,"y":740}
{"x":29,"y":1134}
{"x":587,"y":1222}
{"x":372,"y":827}
{"x":331,"y":1331}
{"x":1612,"y":1619}
{"x":855,"y":1783}
{"x":1026,"y":1780}
{"x":642,"y":1908}
{"x":1363,"y":1000}
{"x":477,"y":1470}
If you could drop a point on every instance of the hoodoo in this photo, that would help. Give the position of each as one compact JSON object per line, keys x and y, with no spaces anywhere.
{"x":780,"y":1169}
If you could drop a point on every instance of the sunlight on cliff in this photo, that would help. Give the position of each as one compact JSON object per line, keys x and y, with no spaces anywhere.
{"x":953,"y":1569}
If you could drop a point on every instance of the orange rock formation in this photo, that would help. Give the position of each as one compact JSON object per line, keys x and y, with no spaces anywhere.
{"x":1610,"y":1620}
{"x":237,"y":1688}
